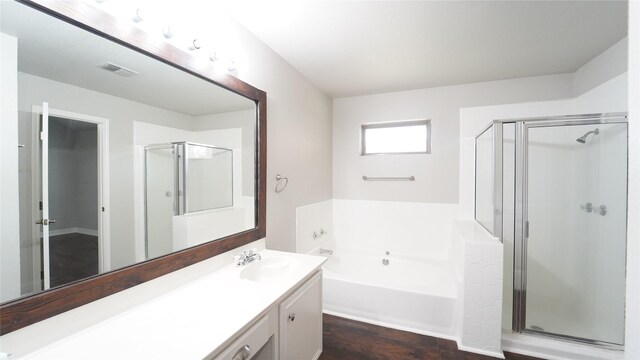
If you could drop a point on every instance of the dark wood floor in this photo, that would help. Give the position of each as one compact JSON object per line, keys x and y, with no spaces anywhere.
{"x":346,"y":339}
{"x":72,"y":257}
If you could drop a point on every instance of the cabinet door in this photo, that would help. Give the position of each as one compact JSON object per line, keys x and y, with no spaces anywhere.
{"x":301,"y":322}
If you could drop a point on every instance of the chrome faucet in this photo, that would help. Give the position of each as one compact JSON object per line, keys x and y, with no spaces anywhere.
{"x":246,"y":257}
{"x":322,"y":251}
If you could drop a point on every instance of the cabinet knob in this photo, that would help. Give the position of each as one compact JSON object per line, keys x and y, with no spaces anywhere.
{"x":243,"y":353}
{"x":292,"y":317}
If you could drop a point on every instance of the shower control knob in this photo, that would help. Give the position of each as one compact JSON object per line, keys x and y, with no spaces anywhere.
{"x":602,"y":210}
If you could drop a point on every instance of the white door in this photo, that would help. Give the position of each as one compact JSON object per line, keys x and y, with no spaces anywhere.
{"x":44,"y":171}
{"x":73,"y":188}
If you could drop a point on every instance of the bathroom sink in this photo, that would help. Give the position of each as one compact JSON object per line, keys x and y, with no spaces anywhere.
{"x":265,"y":269}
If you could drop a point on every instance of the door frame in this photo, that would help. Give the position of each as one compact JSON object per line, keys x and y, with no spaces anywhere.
{"x":104,"y":208}
{"x":521,"y":214}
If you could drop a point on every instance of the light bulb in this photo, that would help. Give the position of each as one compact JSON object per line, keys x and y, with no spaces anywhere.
{"x":167,"y":31}
{"x":195,"y":45}
{"x":139,"y":15}
{"x":232,"y":66}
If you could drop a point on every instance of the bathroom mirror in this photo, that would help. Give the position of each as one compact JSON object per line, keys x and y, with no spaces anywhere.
{"x":124,"y":154}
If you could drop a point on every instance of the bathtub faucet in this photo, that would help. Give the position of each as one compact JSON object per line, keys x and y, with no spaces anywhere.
{"x":322,"y":251}
{"x":246,"y":257}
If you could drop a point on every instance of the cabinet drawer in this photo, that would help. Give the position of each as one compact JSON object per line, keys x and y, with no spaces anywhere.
{"x":249,"y":343}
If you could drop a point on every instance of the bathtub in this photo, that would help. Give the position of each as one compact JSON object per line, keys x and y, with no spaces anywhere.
{"x":412,"y":294}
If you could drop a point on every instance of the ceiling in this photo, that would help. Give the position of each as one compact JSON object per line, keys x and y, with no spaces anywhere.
{"x":352,"y":48}
{"x":55,"y":50}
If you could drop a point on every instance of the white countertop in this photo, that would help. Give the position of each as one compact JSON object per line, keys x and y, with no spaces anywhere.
{"x":187,"y":314}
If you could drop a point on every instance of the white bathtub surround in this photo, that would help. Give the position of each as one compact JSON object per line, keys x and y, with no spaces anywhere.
{"x":205,"y":305}
{"x":409,"y":229}
{"x":406,"y":294}
{"x":481,"y":328}
{"x":312,"y":219}
{"x":417,"y":291}
{"x":443,"y":276}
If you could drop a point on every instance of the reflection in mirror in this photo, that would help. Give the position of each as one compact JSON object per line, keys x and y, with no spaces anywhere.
{"x":132,"y":158}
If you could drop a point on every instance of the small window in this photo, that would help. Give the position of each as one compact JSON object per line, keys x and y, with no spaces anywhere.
{"x":400,"y":137}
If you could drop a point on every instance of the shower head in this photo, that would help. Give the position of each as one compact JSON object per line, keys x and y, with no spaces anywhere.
{"x":583,"y":139}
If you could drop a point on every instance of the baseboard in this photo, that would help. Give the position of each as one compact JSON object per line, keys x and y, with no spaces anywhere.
{"x":73,"y":230}
{"x":495,"y":354}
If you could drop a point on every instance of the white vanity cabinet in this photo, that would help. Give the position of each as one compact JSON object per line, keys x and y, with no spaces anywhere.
{"x":256,"y":343}
{"x":293,"y":327}
{"x":301,"y":322}
{"x":267,"y":318}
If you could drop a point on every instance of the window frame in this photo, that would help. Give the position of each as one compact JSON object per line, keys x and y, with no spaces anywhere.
{"x":395,"y":124}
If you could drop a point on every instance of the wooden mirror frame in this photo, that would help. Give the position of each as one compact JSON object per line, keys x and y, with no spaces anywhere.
{"x":28,"y":310}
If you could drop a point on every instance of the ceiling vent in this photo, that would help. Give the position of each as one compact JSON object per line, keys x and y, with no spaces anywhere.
{"x":117,"y":69}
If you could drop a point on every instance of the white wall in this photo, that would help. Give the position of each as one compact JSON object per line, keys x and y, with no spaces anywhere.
{"x":632,"y":331}
{"x":246,"y":120}
{"x":436,"y":173}
{"x":609,"y":64}
{"x":9,"y":201}
{"x":298,"y":137}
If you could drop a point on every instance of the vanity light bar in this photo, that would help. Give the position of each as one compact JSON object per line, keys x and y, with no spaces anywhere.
{"x":167,"y":29}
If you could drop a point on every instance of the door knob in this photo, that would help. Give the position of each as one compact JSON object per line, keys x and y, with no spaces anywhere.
{"x":45,"y":222}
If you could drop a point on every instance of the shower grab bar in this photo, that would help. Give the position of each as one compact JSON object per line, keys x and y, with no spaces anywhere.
{"x":389,"y":178}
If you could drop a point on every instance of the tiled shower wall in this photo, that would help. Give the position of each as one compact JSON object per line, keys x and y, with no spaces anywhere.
{"x":481,"y":328}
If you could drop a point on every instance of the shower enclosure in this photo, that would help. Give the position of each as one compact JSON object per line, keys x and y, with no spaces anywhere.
{"x":182,"y":178}
{"x":554,"y":190}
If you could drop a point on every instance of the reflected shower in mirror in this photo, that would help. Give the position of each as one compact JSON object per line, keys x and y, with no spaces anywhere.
{"x":94,"y":191}
{"x":189,"y":185}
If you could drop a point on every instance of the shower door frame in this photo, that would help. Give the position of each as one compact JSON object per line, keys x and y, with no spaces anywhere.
{"x":180,"y":172}
{"x":520,"y":203}
{"x":520,"y":211}
{"x":179,"y":193}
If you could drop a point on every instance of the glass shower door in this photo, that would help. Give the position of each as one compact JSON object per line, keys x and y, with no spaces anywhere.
{"x":575,"y":231}
{"x":161,"y":200}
